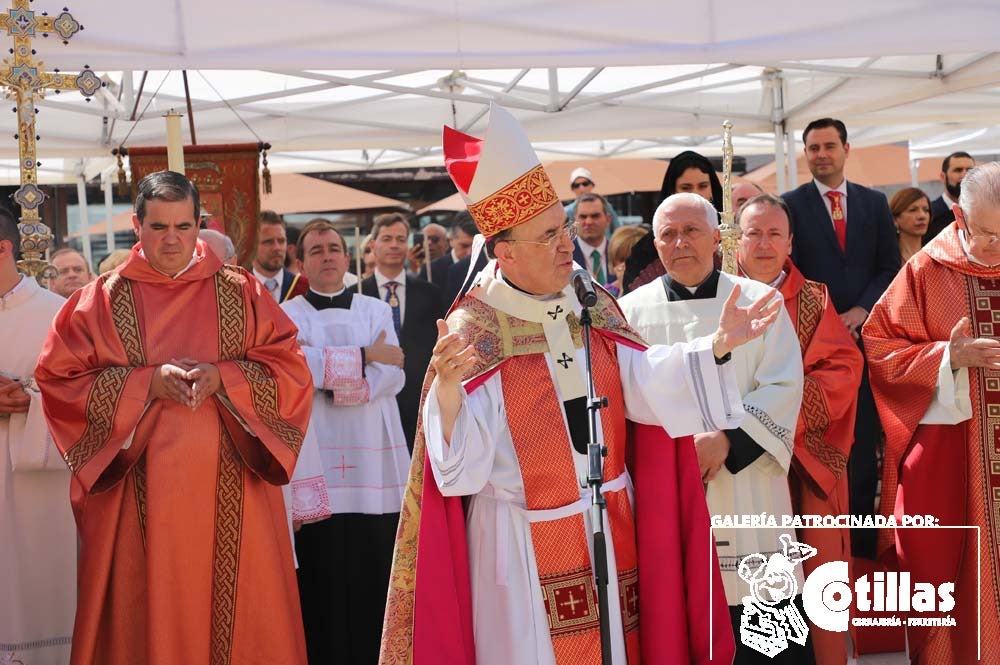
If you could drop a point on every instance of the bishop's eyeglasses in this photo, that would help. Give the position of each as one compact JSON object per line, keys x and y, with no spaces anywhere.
{"x":550,"y":239}
{"x":974,"y":234}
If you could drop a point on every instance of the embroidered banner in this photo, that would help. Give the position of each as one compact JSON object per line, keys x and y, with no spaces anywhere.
{"x":227,"y":181}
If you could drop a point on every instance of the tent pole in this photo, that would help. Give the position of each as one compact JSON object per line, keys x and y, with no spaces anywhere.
{"x":915,"y":172}
{"x":81,"y":196}
{"x":780,"y":165}
{"x":793,"y":168}
{"x":775,"y":82}
{"x":109,"y":209}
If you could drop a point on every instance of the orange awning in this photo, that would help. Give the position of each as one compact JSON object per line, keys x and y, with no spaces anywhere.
{"x":296,"y":193}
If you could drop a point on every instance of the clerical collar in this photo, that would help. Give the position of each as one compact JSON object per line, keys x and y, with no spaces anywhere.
{"x":339,"y":300}
{"x":530,"y":295}
{"x":677,"y":291}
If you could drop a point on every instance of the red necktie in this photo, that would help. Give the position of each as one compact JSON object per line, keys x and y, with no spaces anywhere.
{"x":839,"y":218}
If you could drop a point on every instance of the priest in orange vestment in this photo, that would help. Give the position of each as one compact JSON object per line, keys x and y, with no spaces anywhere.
{"x":832,"y":365}
{"x":174,"y":389}
{"x":934,"y":359}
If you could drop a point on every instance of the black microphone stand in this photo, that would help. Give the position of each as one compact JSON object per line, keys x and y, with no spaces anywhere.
{"x":595,"y":478}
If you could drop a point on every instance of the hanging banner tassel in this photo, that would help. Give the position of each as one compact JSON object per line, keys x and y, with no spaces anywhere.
{"x":265,"y":172}
{"x":122,"y":186}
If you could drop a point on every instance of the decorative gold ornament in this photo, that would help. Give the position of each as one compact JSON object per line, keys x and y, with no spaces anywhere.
{"x":728,"y":230}
{"x":26,"y":80}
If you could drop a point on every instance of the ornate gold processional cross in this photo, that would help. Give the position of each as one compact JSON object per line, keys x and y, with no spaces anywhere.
{"x":26,"y":80}
{"x":728,"y":230}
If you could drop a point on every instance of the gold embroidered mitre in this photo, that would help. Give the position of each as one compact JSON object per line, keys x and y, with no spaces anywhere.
{"x":499,"y":176}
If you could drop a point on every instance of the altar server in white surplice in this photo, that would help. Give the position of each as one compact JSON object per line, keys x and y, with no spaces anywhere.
{"x":745,"y":468}
{"x":351,"y":347}
{"x":37,"y":532}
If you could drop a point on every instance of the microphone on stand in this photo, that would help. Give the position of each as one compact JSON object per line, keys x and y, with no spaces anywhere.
{"x":583,"y":285}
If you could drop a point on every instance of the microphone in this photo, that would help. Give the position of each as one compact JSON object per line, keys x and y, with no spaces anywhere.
{"x":583,"y":285}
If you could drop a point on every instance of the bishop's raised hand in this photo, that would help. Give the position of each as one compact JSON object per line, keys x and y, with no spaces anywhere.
{"x":738,"y":325}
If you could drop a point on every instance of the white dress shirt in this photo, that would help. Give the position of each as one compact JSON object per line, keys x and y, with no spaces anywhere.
{"x":823,"y":189}
{"x":383,"y":290}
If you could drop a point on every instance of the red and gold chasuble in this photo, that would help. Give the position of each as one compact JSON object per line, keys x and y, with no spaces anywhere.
{"x":950,"y":471}
{"x":185,"y":555}
{"x":561,"y":545}
{"x":824,"y":434}
{"x":428,"y":616}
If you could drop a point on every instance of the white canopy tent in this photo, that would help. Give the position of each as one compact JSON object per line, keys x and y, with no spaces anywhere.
{"x":342,"y":85}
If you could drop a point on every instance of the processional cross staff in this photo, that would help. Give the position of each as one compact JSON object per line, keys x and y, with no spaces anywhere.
{"x":729,"y":231}
{"x":26,"y":80}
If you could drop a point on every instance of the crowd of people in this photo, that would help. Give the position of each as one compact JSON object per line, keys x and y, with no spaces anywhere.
{"x":294,"y":463}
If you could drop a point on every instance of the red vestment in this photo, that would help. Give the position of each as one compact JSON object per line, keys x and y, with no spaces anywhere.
{"x":832,"y":366}
{"x":185,"y":555}
{"x":429,"y":609}
{"x":949,"y":471}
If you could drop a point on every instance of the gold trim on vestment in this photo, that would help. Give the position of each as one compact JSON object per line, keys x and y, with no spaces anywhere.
{"x":226,"y":552}
{"x":101,"y":405}
{"x":264,"y":392}
{"x":495,"y":337}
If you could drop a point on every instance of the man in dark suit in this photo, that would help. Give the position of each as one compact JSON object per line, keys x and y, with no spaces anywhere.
{"x":591,"y":247}
{"x":953,"y":170}
{"x":457,"y":274}
{"x":427,"y":255}
{"x":460,"y":235}
{"x":416,"y":306}
{"x":845,"y":238}
{"x":269,"y":259}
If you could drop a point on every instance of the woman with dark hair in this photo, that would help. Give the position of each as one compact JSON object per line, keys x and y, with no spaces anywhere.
{"x":691,"y":172}
{"x":911,"y":211}
{"x":687,"y":172}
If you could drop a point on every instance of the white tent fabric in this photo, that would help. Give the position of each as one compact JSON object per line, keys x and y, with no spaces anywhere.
{"x":416,"y":34}
{"x":342,"y":85}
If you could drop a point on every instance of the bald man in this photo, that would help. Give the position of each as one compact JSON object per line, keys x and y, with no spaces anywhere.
{"x":743,"y":191}
{"x":220,"y":243}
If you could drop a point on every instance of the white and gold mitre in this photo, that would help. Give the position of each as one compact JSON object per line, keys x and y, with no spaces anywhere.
{"x":499,"y":175}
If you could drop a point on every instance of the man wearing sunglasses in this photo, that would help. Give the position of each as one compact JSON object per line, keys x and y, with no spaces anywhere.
{"x":492,"y":562}
{"x":582,"y":183}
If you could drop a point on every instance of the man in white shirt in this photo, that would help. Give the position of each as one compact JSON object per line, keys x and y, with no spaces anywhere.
{"x":350,"y":345}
